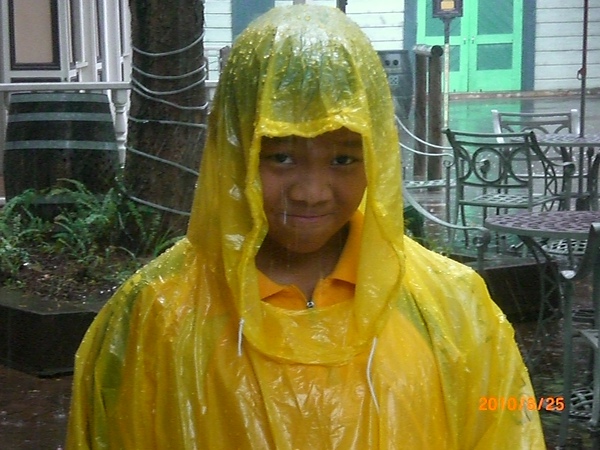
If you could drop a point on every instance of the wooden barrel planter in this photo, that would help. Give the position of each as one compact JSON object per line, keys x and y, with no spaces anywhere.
{"x":55,"y":135}
{"x":398,"y":68}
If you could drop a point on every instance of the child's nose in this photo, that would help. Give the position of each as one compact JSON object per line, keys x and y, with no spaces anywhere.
{"x":312,"y":187}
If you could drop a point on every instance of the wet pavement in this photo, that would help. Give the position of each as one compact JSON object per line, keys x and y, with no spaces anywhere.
{"x":547,"y":375}
{"x":34,"y":410}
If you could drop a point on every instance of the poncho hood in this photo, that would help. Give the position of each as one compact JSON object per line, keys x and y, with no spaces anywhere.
{"x":302,"y":70}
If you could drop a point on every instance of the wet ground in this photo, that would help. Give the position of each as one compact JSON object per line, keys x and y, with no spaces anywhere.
{"x":34,"y":410}
{"x":547,"y":376}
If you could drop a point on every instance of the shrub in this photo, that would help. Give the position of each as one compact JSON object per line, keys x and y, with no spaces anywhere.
{"x":87,"y":238}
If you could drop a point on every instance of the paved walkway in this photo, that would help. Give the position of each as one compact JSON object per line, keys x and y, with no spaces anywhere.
{"x":33,"y":411}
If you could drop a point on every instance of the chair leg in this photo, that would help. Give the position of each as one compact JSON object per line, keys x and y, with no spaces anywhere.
{"x":463,"y":219}
{"x":567,"y":363}
{"x":596,"y":392}
{"x":594,"y":421}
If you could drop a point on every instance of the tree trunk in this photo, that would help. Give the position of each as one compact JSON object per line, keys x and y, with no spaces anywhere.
{"x":168,"y":106}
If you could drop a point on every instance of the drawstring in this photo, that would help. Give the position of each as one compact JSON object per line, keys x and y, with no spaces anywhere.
{"x":240,"y":336}
{"x":369,"y":375}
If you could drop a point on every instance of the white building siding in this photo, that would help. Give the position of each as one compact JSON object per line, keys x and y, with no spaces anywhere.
{"x":309,"y":2}
{"x":381,"y":20}
{"x":382,"y":23}
{"x":218,"y":32}
{"x":559,"y":38}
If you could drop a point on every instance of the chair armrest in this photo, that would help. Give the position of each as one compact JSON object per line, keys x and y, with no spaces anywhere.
{"x":496,"y":123}
{"x":568,"y":167}
{"x":480,"y":241}
{"x":567,"y":164}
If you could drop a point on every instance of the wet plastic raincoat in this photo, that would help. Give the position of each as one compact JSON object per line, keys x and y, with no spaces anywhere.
{"x":187,"y":356}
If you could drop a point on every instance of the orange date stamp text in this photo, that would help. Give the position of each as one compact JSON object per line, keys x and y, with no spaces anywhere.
{"x":523,"y":403}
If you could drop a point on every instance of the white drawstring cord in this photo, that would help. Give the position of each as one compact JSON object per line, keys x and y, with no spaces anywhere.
{"x":240,"y":336}
{"x":369,"y":375}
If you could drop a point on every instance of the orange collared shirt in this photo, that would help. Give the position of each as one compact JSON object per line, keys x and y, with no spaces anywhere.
{"x":338,"y":287}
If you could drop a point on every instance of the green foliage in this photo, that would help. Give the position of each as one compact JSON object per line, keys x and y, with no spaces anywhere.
{"x":89,"y":230}
{"x":19,"y":230}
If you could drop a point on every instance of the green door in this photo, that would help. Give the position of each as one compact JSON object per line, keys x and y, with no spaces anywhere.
{"x":485,"y":44}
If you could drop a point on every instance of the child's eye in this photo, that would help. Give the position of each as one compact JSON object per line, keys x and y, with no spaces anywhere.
{"x":280,"y":158}
{"x":343,"y":160}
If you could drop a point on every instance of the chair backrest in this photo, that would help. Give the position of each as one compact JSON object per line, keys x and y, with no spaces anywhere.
{"x":539,"y":123}
{"x":493,"y":160}
{"x":503,"y":163}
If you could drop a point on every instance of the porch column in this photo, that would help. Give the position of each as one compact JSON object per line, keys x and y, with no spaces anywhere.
{"x":120,"y":99}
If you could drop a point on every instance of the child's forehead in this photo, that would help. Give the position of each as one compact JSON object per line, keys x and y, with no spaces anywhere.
{"x":341,"y":136}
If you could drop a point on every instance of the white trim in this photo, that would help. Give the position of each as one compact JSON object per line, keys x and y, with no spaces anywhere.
{"x":89,"y":38}
{"x":112,"y":49}
{"x":125,"y":36}
{"x":63,"y":40}
{"x":4,"y":42}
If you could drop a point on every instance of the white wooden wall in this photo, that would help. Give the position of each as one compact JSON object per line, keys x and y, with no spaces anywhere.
{"x":309,"y":2}
{"x":559,"y":32}
{"x":217,"y":26}
{"x":381,"y":20}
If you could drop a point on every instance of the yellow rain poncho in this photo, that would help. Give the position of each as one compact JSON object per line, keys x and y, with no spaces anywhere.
{"x":187,"y":356}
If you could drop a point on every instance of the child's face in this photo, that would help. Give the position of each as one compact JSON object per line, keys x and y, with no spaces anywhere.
{"x":311,"y":187}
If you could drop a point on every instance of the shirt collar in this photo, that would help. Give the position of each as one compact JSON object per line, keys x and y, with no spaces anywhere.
{"x":345,"y":269}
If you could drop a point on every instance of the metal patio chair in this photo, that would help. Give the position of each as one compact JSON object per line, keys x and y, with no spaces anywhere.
{"x":584,"y":401}
{"x":499,"y":172}
{"x":541,"y":123}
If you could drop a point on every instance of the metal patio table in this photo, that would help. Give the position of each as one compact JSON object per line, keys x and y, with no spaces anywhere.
{"x":532,"y":227}
{"x":570,"y":139}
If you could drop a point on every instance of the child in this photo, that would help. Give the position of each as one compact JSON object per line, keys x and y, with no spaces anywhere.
{"x":296,"y":314}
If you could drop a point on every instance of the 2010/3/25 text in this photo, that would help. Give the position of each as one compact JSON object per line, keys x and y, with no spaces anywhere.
{"x":491,"y":403}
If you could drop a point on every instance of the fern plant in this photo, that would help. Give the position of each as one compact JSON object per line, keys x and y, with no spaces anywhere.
{"x":105,"y":237}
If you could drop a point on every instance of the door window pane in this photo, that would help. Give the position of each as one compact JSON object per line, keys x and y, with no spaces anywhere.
{"x":495,"y":17}
{"x":494,"y":56}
